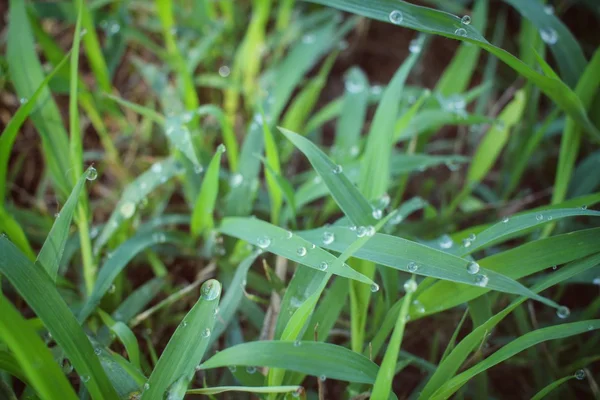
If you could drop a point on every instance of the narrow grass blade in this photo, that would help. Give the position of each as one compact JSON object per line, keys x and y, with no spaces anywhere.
{"x":311,"y":358}
{"x":179,"y":135}
{"x":516,"y":346}
{"x":202,"y":216}
{"x":277,"y":240}
{"x":548,"y":389}
{"x":126,"y":337}
{"x":229,"y":138}
{"x":245,"y":389}
{"x":187,"y":345}
{"x":36,"y":287}
{"x":10,"y":365}
{"x":404,"y":163}
{"x":36,"y":362}
{"x":117,"y":261}
{"x":440,"y":23}
{"x":353,"y":113}
{"x":350,"y":200}
{"x":133,"y":194}
{"x":272,"y":172}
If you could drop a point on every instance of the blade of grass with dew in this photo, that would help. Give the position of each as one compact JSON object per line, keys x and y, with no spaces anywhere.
{"x":271,"y":173}
{"x":458,"y":73}
{"x":179,"y":135}
{"x":375,"y":170}
{"x":51,"y":253}
{"x":563,"y":45}
{"x":311,"y":358}
{"x":133,"y":194}
{"x":451,"y":364}
{"x":554,"y":385}
{"x":187,"y":345}
{"x":126,"y":337}
{"x":139,"y":109}
{"x":516,"y":346}
{"x":277,"y":240}
{"x":382,"y":388}
{"x":229,"y":138}
{"x":35,"y":361}
{"x":406,"y":119}
{"x":288,"y":192}
{"x":404,"y":163}
{"x":233,"y":296}
{"x":126,"y":379}
{"x":432,"y":120}
{"x":245,"y":389}
{"x":36,"y":287}
{"x":352,"y":115}
{"x":202,"y":216}
{"x":118,"y":260}
{"x":431,"y":21}
{"x":47,"y":119}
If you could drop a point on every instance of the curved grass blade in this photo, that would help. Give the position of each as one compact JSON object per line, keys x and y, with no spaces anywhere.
{"x":118,"y":261}
{"x":126,"y":336}
{"x":350,"y":200}
{"x":51,"y":253}
{"x":10,"y":365}
{"x":35,"y":361}
{"x":38,"y":290}
{"x":278,"y":241}
{"x":179,"y":135}
{"x":435,"y":22}
{"x":133,"y":194}
{"x":548,"y":389}
{"x":245,"y":389}
{"x":202,"y":216}
{"x":187,"y":345}
{"x":311,"y":358}
{"x":516,"y":346}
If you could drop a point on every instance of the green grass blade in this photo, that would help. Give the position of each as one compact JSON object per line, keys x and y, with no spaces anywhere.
{"x":187,"y":345}
{"x":135,"y":193}
{"x":202,"y":216}
{"x":516,"y":346}
{"x":311,"y":358}
{"x":229,"y":138}
{"x":36,"y":287}
{"x":278,"y":241}
{"x":179,"y":135}
{"x":548,"y":389}
{"x":126,"y":336}
{"x":36,"y":362}
{"x":10,"y":365}
{"x":93,"y":51}
{"x":353,"y":113}
{"x":346,"y":195}
{"x":428,"y":20}
{"x":272,"y":172}
{"x":245,"y":389}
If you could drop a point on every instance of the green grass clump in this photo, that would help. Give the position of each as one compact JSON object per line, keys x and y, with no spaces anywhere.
{"x":209,"y":213}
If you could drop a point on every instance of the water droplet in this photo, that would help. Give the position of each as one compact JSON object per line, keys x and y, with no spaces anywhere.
{"x":328,"y":237}
{"x":250,"y":369}
{"x":146,"y":386}
{"x":353,"y":228}
{"x":396,"y":17}
{"x":211,"y":289}
{"x":56,"y":215}
{"x":481,"y":280}
{"x":221,"y":148}
{"x":370,"y":230}
{"x":97,"y":351}
{"x":337,"y":169}
{"x":297,"y":343}
{"x":264,"y":242}
{"x":461,"y":32}
{"x":23,"y":100}
{"x":452,"y":165}
{"x":419,"y":306}
{"x":596,"y":281}
{"x":354,"y":150}
{"x":113,"y":28}
{"x":539,"y":217}
{"x":580,"y":375}
{"x":84,"y":378}
{"x":505,"y":220}
{"x":554,"y":267}
{"x":232,"y":368}
{"x":309,"y":38}
{"x":445,"y":242}
{"x":584,"y":207}
{"x":112,"y":289}
{"x":224,"y":71}
{"x":563,"y":312}
{"x":206,"y":333}
{"x":322,"y":378}
{"x":410,"y":286}
{"x":466,"y":20}
{"x":548,"y":9}
{"x":466,"y":243}
{"x":92,"y":174}
{"x":184,"y":324}
{"x":361,"y":231}
{"x":156,"y":168}
{"x":377,"y":213}
{"x":472,"y":237}
{"x":549,"y":36}
{"x":374,"y":288}
{"x":236,"y":179}
{"x":412,"y":266}
{"x":127,"y":209}
{"x":289,"y":234}
{"x":472,"y":267}
{"x":301,"y":251}
{"x":414,"y":46}
{"x":323,"y":266}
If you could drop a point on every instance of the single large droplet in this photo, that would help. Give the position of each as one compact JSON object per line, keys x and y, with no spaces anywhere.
{"x":396,"y":17}
{"x":236,"y":179}
{"x":211,"y":289}
{"x":580,"y":374}
{"x":461,"y":32}
{"x":374,"y":288}
{"x":85,"y":378}
{"x":549,"y":36}
{"x":445,"y":242}
{"x":206,"y":333}
{"x":412,"y":266}
{"x":410,"y":286}
{"x":377,"y":213}
{"x":221,"y":148}
{"x":250,"y":369}
{"x":505,"y":220}
{"x":472,"y":237}
{"x":472,"y":267}
{"x":264,"y":242}
{"x":198,"y":169}
{"x":563,"y":312}
{"x":481,"y":280}
{"x":92,"y":174}
{"x":127,"y":209}
{"x":146,"y":386}
{"x":337,"y":169}
{"x":361,"y":231}
{"x":323,"y":266}
{"x":328,"y":237}
{"x":301,"y":251}
{"x":466,"y":20}
{"x":289,"y":234}
{"x":539,"y":217}
{"x":224,"y":71}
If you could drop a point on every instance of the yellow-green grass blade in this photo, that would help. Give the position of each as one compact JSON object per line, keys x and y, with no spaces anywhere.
{"x":188,"y":344}
{"x":202,"y":215}
{"x":311,"y":358}
{"x":38,"y":290}
{"x":229,"y":138}
{"x":35,"y":360}
{"x":444,"y":24}
{"x":272,"y":171}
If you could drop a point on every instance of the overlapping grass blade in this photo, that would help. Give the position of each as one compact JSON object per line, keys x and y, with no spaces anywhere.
{"x":436,"y":22}
{"x":126,"y":337}
{"x":36,"y":287}
{"x":178,"y":133}
{"x":245,"y":389}
{"x":35,"y":361}
{"x":202,"y":215}
{"x":311,"y":358}
{"x":187,"y":345}
{"x":548,"y":389}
